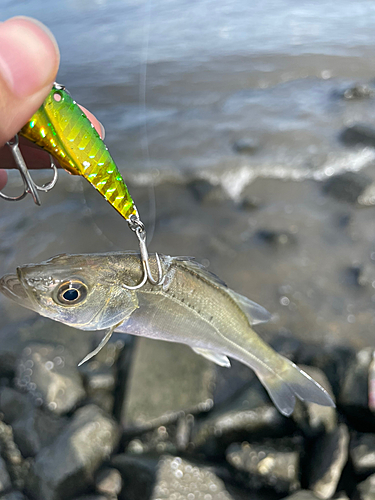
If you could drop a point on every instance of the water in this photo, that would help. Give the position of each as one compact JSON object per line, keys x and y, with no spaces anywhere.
{"x":217,"y":73}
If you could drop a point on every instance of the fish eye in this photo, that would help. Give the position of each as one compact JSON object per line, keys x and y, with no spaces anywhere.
{"x":70,"y":293}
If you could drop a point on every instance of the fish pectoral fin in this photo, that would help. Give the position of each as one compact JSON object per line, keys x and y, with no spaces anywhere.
{"x":219,"y":359}
{"x":107,"y":336}
{"x":254,"y":312}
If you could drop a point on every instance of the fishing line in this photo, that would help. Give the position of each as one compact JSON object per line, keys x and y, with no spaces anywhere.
{"x":143,"y":114}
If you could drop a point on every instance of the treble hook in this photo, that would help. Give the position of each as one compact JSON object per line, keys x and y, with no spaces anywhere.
{"x":138,"y":227}
{"x":29,"y":185}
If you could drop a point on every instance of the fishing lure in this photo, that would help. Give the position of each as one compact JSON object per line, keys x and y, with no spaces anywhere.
{"x":62,"y":129}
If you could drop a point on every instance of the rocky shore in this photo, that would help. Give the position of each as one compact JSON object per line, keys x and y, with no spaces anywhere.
{"x":147,"y":420}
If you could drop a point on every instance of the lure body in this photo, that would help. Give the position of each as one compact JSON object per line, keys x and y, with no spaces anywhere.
{"x":62,"y":129}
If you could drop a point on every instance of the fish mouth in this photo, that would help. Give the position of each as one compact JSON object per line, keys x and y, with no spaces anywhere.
{"x":11,"y":286}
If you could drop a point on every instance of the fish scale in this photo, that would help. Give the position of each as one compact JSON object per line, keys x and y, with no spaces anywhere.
{"x":62,"y":129}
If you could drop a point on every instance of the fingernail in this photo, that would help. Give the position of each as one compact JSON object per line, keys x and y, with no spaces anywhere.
{"x":29,"y":56}
{"x":102,"y":130}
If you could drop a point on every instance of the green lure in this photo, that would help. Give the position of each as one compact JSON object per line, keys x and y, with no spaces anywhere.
{"x":62,"y":129}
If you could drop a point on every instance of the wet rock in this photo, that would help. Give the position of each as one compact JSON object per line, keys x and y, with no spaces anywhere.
{"x":100,"y":375}
{"x":327,"y":460}
{"x":66,"y":467}
{"x":108,"y":482}
{"x":348,"y":186}
{"x":5,"y":483}
{"x":17,"y":467}
{"x":49,"y":373}
{"x":168,"y":477}
{"x":302,"y":495}
{"x":366,"y":489}
{"x":276,"y":238}
{"x":166,"y":379}
{"x":358,"y":134}
{"x":230,"y":382}
{"x":357,"y":91}
{"x":353,"y":396}
{"x":332,"y":360}
{"x":162,"y":439}
{"x":311,"y":418}
{"x":362,"y":452}
{"x":32,"y":427}
{"x":206,"y":192}
{"x":93,"y":497}
{"x":14,"y":495}
{"x":246,"y":146}
{"x":250,"y":415}
{"x":273,"y":464}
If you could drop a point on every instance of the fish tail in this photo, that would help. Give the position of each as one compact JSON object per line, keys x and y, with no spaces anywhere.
{"x":284,"y":385}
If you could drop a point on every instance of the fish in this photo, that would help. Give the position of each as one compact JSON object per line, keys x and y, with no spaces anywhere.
{"x":62,"y":129}
{"x":192,"y":306}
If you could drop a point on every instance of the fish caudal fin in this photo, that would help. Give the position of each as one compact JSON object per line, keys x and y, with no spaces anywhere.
{"x":284,"y":386}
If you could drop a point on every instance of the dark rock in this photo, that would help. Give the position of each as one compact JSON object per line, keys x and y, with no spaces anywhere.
{"x":162,"y":439}
{"x":311,"y":418}
{"x":100,"y":375}
{"x":333,"y":361}
{"x":354,"y":276}
{"x":32,"y":427}
{"x":357,"y":92}
{"x":276,"y":238}
{"x":347,"y":186}
{"x":358,"y":134}
{"x":327,"y":460}
{"x":273,"y":464}
{"x":230,"y":382}
{"x":354,"y":393}
{"x":246,"y":146}
{"x":206,"y":192}
{"x":66,"y":467}
{"x":166,"y":379}
{"x":109,"y":482}
{"x":152,"y":478}
{"x":94,"y":497}
{"x":5,"y":483}
{"x":362,"y":452}
{"x":14,"y":495}
{"x":302,"y":495}
{"x":250,"y":415}
{"x":49,"y":373}
{"x":17,"y":467}
{"x":366,"y":489}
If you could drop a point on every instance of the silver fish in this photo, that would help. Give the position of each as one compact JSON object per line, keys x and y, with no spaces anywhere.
{"x":192,"y":306}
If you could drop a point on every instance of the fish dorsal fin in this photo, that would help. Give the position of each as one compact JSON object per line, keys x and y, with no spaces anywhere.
{"x":219,"y":359}
{"x":254,"y":312}
{"x":192,"y":265}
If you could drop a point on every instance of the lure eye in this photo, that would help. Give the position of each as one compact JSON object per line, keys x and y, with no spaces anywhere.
{"x":57,"y":96}
{"x":70,"y":293}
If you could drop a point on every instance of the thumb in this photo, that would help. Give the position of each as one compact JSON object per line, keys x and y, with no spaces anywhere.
{"x":29,"y":60}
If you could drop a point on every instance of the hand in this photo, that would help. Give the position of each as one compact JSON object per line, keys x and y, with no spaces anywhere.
{"x":29,"y":60}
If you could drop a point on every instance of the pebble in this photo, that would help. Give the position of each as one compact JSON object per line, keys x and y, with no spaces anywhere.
{"x":360,"y":133}
{"x":66,"y":467}
{"x":250,"y":414}
{"x":49,"y":373}
{"x":108,"y":481}
{"x":5,"y":483}
{"x":366,"y":489}
{"x":272,"y":464}
{"x":165,"y":380}
{"x":327,"y":460}
{"x":348,"y":186}
{"x":362,"y":452}
{"x":169,"y":477}
{"x":33,"y":428}
{"x":246,"y":146}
